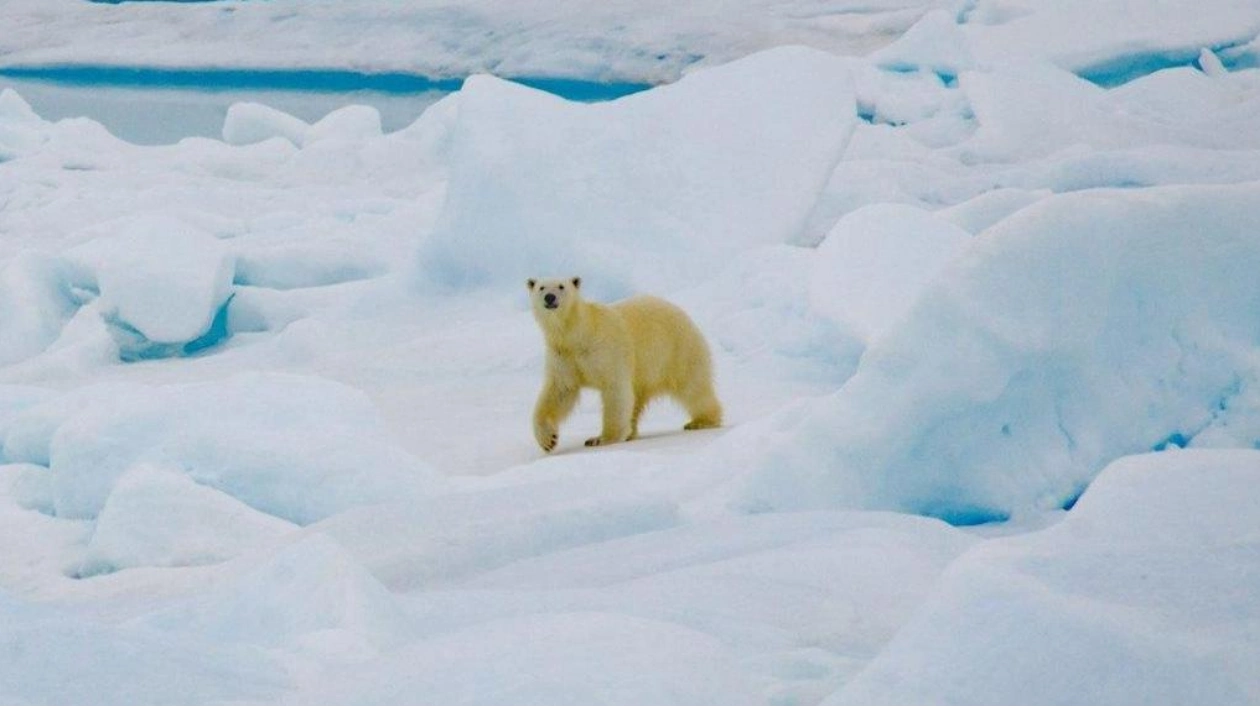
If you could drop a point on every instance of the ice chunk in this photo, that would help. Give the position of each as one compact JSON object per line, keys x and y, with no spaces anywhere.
{"x":1143,"y":594}
{"x":977,"y":214}
{"x":1083,"y":328}
{"x":248,"y":123}
{"x":31,"y":487}
{"x":1029,"y":110}
{"x":876,"y":261}
{"x":162,"y":282}
{"x":21,"y":130}
{"x":293,"y":267}
{"x":159,"y":517}
{"x":572,"y":657}
{"x":61,"y":656}
{"x":1210,"y":63}
{"x":348,"y":124}
{"x":36,"y":301}
{"x":308,"y":596}
{"x":541,"y":185}
{"x":293,"y":447}
{"x":444,"y":538}
{"x":29,"y":432}
{"x":935,"y":43}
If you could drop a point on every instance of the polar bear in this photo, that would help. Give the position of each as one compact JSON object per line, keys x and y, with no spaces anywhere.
{"x":631,"y":352}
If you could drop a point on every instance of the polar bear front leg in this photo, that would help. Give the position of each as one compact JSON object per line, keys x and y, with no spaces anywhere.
{"x":618,"y":399}
{"x":555,"y":402}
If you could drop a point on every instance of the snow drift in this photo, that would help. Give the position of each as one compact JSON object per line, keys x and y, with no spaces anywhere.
{"x":295,"y":447}
{"x":1141,"y":595}
{"x":164,"y":285}
{"x":725,"y":159}
{"x":1085,"y":327}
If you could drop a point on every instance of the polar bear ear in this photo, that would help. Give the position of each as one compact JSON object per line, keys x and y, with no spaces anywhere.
{"x":530,"y":284}
{"x":577,"y":282}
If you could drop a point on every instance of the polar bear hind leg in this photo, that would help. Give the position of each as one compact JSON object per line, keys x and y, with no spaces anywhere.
{"x":701,"y":403}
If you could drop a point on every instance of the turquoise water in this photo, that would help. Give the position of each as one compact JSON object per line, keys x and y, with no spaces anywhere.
{"x":152,"y":106}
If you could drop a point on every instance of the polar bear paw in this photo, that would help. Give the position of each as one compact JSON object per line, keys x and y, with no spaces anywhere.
{"x":547,"y":438}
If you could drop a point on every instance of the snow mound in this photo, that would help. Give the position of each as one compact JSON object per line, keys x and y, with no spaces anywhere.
{"x":294,"y":447}
{"x":613,"y":655}
{"x":1210,"y":64}
{"x":36,"y":301}
{"x":1033,"y":110}
{"x":1085,"y":327}
{"x":29,"y":429}
{"x":445,"y":538}
{"x":1143,"y":594}
{"x":55,"y":656}
{"x":16,"y":399}
{"x":21,"y":129}
{"x":1104,"y":39}
{"x":977,"y":214}
{"x":760,"y":307}
{"x":875,"y":262}
{"x":310,"y":596}
{"x":590,"y":189}
{"x":248,"y":123}
{"x":159,"y":517}
{"x":935,"y":43}
{"x":164,"y":285}
{"x":299,"y":266}
{"x":354,"y":124}
{"x":1026,"y":110}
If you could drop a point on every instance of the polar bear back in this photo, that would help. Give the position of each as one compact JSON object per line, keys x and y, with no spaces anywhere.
{"x":670,"y":353}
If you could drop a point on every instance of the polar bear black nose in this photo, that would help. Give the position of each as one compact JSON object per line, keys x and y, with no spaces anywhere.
{"x":549,"y":298}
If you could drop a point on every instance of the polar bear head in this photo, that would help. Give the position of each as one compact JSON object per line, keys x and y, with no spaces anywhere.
{"x":553,"y":295}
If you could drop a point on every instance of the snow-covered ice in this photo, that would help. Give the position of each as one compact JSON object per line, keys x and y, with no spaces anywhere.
{"x":979,"y":279}
{"x":653,"y":171}
{"x":1142,"y":594}
{"x":1072,"y":333}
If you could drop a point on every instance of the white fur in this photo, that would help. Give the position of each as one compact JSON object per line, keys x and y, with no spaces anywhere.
{"x":631,"y":352}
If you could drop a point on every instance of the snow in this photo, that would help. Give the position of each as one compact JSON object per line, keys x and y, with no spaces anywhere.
{"x":935,"y":43}
{"x":236,"y":435}
{"x":35,"y":303}
{"x":162,"y":283}
{"x":1066,"y":614}
{"x":623,"y":39}
{"x":113,"y":665}
{"x":251,"y":122}
{"x":248,"y":123}
{"x":1107,"y":41}
{"x":875,"y":263}
{"x":571,"y":191}
{"x":310,"y":594}
{"x":1075,"y":332}
{"x":158,"y":517}
{"x":978,"y":278}
{"x":483,"y":666}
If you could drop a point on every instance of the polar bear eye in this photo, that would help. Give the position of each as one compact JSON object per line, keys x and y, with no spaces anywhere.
{"x":562,"y":287}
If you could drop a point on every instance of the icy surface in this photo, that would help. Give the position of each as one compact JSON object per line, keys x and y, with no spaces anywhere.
{"x":875,"y":263}
{"x":158,"y":516}
{"x":162,"y":282}
{"x":654,"y":40}
{"x":580,"y":187}
{"x":973,"y":274}
{"x":293,"y":447}
{"x":1068,"y":615}
{"x":35,"y":303}
{"x":1080,"y":330}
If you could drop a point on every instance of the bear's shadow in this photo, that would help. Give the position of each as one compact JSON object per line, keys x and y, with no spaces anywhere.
{"x":659,"y":440}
